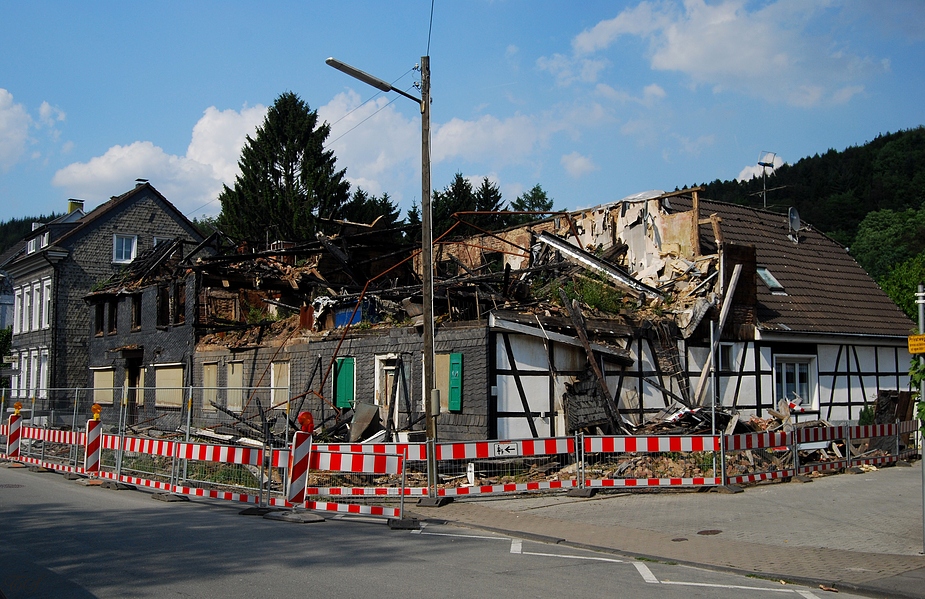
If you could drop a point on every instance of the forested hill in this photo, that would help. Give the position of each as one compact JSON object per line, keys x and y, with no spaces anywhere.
{"x":15,"y":229}
{"x":870,"y":198}
{"x":834,"y":191}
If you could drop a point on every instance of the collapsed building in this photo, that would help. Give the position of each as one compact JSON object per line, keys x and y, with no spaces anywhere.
{"x":639,"y":315}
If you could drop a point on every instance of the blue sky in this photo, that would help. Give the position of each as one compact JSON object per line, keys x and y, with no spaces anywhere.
{"x":593,"y":100}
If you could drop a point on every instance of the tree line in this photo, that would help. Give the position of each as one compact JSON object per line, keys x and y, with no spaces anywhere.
{"x":869,"y":198}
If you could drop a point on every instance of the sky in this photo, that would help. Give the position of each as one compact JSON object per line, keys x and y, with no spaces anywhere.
{"x":594,"y":101}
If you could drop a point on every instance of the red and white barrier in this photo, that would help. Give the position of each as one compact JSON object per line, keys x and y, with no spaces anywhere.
{"x":92,"y":446}
{"x":12,"y":438}
{"x":298,"y":466}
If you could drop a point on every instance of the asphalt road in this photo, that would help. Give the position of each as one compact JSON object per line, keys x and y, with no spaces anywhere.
{"x":63,"y":540}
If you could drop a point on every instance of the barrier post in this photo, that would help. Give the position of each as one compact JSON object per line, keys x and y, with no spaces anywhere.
{"x":298,"y":469}
{"x":12,"y":439}
{"x":897,"y":439}
{"x":722,"y":460}
{"x":92,"y":447}
{"x":850,"y":457}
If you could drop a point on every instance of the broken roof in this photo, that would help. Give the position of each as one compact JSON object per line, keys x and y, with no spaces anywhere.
{"x":823,"y":290}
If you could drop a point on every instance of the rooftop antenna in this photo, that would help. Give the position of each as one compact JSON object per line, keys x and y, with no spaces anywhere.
{"x":765,"y":160}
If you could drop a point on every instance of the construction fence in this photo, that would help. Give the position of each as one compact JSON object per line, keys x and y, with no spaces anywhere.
{"x":375,"y":478}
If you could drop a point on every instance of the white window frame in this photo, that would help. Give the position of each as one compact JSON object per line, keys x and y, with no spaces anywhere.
{"x":31,"y":245}
{"x":811,"y":402}
{"x":43,"y":373}
{"x":26,"y":309}
{"x":36,"y":305}
{"x":15,"y":377}
{"x":234,"y":394}
{"x":118,"y":251}
{"x":17,"y":311}
{"x":279,"y":379}
{"x":33,"y":373}
{"x":44,"y":239}
{"x":159,"y":240}
{"x":46,"y":303}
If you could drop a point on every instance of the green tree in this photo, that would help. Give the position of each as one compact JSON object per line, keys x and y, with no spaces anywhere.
{"x":364,"y":208}
{"x":902,"y":282}
{"x":534,"y":200}
{"x":886,"y":238}
{"x":458,"y":196}
{"x":288,"y":180}
{"x":488,"y":199}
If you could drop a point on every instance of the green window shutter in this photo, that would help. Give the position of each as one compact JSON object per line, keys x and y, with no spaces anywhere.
{"x":455,"y":399}
{"x":343,"y":383}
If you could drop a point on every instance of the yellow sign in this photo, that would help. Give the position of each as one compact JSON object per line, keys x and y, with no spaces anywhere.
{"x":917,"y":344}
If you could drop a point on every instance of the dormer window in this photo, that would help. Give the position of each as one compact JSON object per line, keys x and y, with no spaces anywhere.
{"x":123,"y":248}
{"x":773,"y":284}
{"x":31,"y":245}
{"x":44,"y":239}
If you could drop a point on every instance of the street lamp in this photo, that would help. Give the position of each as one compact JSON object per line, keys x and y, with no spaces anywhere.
{"x":431,"y":396}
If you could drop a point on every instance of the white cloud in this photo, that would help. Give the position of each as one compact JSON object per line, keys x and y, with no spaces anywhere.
{"x":754,"y":170}
{"x":50,"y":114}
{"x":577,"y":165}
{"x":774,"y":51}
{"x":190,"y":182}
{"x":377,"y":144}
{"x":487,"y":139}
{"x":14,"y":130}
{"x":568,"y":70}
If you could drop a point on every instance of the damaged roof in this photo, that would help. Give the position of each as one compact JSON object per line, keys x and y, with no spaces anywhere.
{"x":822,"y":289}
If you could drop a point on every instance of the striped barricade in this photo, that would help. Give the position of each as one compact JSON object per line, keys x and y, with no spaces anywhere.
{"x":92,"y":447}
{"x":822,"y":438}
{"x":300,"y":458}
{"x":14,"y":431}
{"x":651,"y":461}
{"x":753,"y":457}
{"x":907,"y":430}
{"x":871,"y":432}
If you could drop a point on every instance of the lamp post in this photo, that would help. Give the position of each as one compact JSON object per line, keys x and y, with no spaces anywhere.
{"x":427,"y":254}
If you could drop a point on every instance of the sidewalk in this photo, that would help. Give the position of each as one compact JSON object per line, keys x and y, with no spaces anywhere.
{"x":859,"y":532}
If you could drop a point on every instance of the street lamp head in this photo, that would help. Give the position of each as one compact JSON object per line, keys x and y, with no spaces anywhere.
{"x":358,"y":74}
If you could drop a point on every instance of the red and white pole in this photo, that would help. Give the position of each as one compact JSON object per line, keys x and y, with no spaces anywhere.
{"x":92,"y":448}
{"x":299,"y":458}
{"x":12,"y":439}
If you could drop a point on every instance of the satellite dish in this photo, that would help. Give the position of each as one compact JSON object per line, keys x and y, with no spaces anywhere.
{"x":793,"y":219}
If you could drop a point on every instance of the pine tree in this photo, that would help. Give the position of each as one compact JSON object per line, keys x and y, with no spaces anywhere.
{"x":534,"y":200}
{"x":458,"y":196}
{"x":287,"y":181}
{"x":488,"y":199}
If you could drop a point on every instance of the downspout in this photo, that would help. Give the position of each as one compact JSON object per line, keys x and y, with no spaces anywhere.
{"x":53,"y":350}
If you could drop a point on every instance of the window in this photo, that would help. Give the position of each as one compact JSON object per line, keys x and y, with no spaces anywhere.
{"x":136,"y":311}
{"x":344,"y":382}
{"x":160,"y":240}
{"x":725,"y":357}
{"x":163,"y":305}
{"x":24,"y":374}
{"x":279,"y":394}
{"x":773,"y":284}
{"x":36,"y":305}
{"x":123,"y":248}
{"x":209,"y":386}
{"x":168,"y":383}
{"x":26,"y":310}
{"x":46,"y":303}
{"x":235,"y":386}
{"x":113,"y":322}
{"x":34,"y":373}
{"x":31,"y":245}
{"x":98,"y":317}
{"x":17,"y":312}
{"x":103,"y":386}
{"x":794,"y":379}
{"x":179,"y":303}
{"x":43,"y":373}
{"x":448,"y":379}
{"x":15,"y":377}
{"x":44,"y":239}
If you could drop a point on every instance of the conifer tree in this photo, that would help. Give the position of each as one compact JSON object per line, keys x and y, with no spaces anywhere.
{"x":288,"y":179}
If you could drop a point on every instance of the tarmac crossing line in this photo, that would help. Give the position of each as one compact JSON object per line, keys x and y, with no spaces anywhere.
{"x":641,"y":568}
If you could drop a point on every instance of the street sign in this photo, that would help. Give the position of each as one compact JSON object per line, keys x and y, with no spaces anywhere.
{"x":917,"y":344}
{"x":506,"y":449}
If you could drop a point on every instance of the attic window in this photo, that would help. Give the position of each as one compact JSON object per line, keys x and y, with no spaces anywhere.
{"x":769,"y":280}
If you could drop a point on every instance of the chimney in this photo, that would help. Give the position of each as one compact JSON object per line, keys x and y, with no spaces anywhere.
{"x":73,"y":205}
{"x":140,"y":182}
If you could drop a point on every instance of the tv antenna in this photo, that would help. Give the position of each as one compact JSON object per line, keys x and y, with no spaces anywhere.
{"x":765,"y":160}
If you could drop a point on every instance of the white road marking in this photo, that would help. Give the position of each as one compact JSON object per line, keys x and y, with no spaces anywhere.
{"x":729,"y":586}
{"x":517,"y":546}
{"x":645,"y":572}
{"x":808,"y":594}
